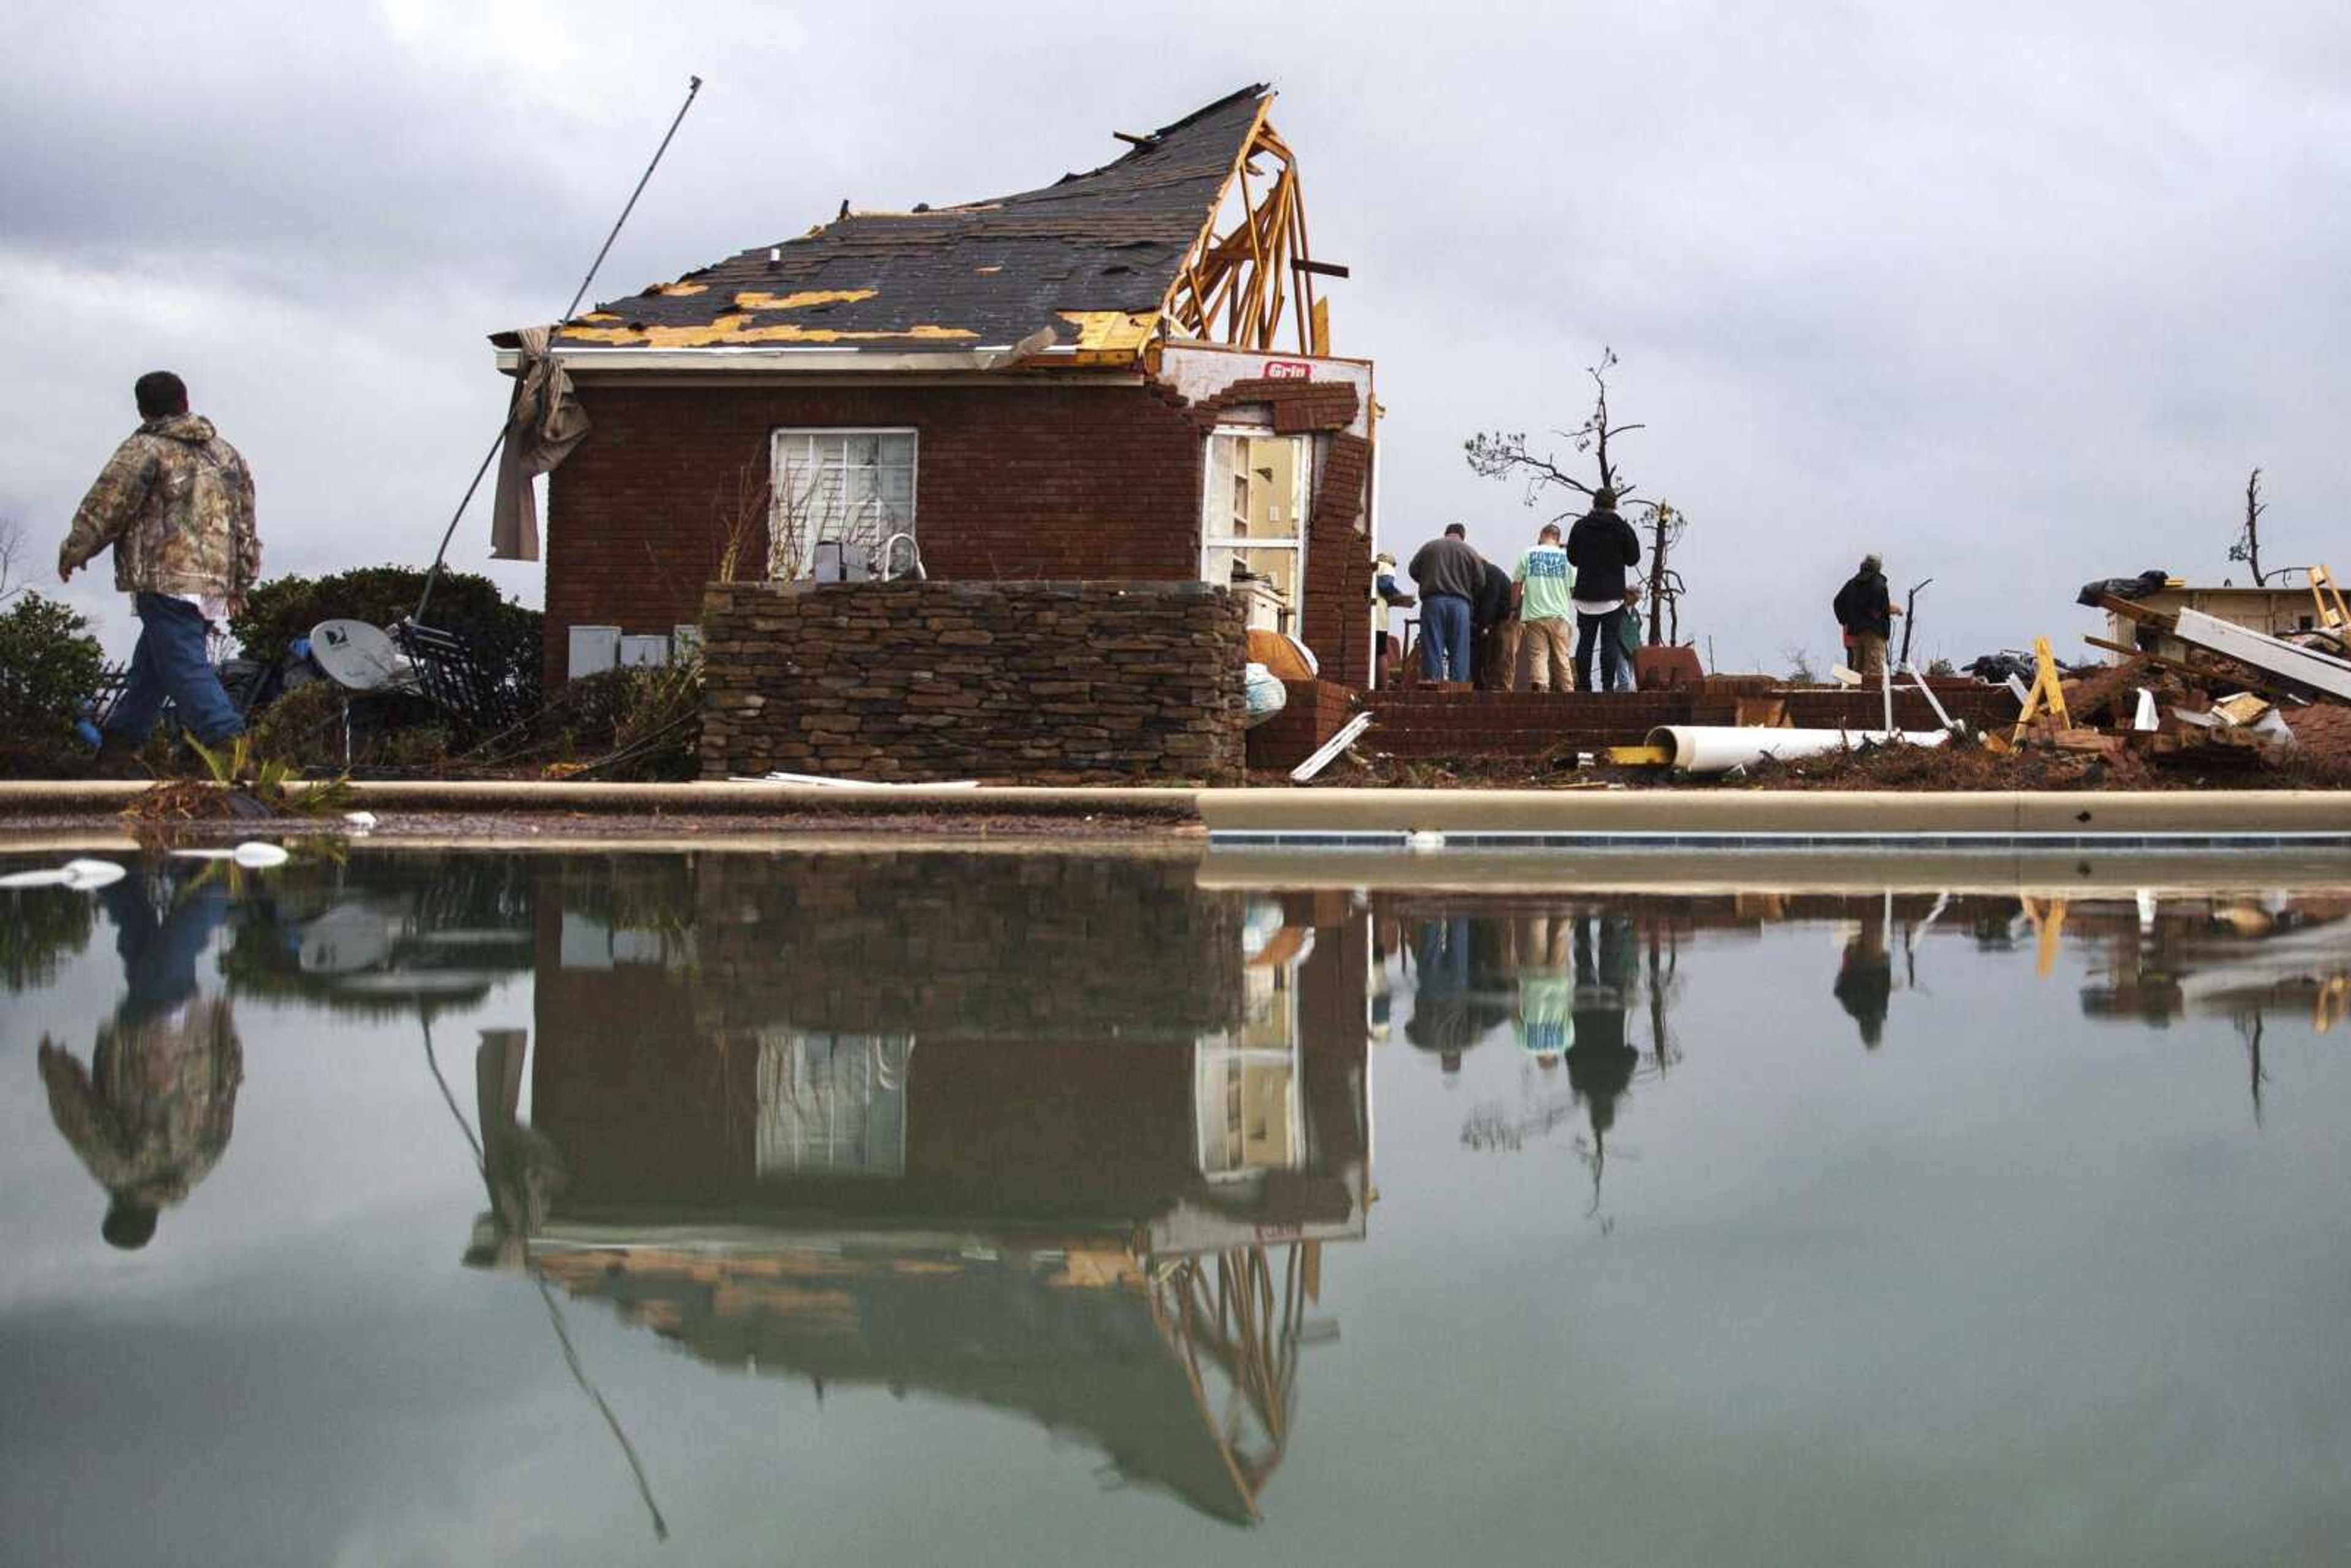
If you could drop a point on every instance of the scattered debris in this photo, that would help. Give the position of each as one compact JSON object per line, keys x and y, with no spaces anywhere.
{"x":819,"y":781}
{"x":76,"y":875}
{"x":1331,"y":749}
{"x":252,"y":854}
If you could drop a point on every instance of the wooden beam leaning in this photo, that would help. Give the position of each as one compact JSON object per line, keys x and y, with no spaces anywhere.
{"x":2271,"y":655}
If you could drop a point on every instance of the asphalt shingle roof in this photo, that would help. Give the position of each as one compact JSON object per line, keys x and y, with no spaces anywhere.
{"x":981,"y":274}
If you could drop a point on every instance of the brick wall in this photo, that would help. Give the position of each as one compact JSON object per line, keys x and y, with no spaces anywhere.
{"x":1312,"y":713}
{"x":963,"y":946}
{"x":1337,"y":623}
{"x":1017,"y":481}
{"x":1043,"y":682}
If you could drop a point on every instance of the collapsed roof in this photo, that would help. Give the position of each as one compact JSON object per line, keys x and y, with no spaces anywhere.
{"x":1106,"y":262}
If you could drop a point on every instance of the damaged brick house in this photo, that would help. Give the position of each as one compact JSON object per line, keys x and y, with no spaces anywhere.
{"x":1123,"y":375}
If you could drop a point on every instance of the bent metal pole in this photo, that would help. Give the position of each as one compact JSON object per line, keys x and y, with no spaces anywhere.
{"x":692,"y":87}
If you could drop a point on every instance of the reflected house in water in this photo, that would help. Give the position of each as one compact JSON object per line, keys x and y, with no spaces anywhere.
{"x":1059,"y":1136}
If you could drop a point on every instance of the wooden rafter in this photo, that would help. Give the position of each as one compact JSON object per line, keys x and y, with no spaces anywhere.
{"x":1237,"y":286}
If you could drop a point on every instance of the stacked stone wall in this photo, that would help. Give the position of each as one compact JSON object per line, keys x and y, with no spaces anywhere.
{"x":1005,"y":682}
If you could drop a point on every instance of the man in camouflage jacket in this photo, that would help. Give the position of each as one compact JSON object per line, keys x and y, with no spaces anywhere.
{"x":175,"y":502}
{"x":152,"y":1113}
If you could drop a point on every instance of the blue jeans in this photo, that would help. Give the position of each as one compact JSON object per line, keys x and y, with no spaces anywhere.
{"x":1444,"y":637}
{"x":160,"y":955}
{"x":1608,"y":632}
{"x":170,"y":662}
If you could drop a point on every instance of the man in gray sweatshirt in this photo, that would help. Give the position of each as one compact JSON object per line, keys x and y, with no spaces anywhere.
{"x":1449,"y":574}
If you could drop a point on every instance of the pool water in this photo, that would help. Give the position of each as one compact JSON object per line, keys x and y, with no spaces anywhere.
{"x":993,"y":1205}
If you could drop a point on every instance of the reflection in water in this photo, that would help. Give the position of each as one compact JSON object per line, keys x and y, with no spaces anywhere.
{"x":152,"y":1113}
{"x":1063,"y":1137}
{"x":1864,"y":979}
{"x":1071,"y":1143}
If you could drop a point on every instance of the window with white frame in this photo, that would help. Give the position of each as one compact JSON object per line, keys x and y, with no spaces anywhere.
{"x":853,"y":488}
{"x":1253,"y":521}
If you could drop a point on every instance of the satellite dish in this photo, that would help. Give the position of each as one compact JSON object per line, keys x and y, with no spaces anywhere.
{"x":356,"y":655}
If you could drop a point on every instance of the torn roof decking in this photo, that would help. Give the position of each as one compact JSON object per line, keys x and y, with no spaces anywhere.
{"x":1104,"y":247}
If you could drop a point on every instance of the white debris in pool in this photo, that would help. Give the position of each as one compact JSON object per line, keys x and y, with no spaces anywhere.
{"x":81,"y":875}
{"x":253,"y":855}
{"x":1423,"y":840}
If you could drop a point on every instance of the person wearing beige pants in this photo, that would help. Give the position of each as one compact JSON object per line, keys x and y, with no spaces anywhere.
{"x":1551,"y":654}
{"x":1546,"y":611}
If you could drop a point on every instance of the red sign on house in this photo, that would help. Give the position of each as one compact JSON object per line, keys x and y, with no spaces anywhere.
{"x":1288,"y":371}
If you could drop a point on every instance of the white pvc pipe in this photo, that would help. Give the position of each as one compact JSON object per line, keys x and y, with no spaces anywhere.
{"x":1719,"y":749}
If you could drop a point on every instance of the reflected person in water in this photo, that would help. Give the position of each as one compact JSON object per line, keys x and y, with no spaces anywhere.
{"x":1460,"y":986}
{"x":1865,"y":982}
{"x":1546,"y":983}
{"x":151,"y":1115}
{"x":1599,"y":1063}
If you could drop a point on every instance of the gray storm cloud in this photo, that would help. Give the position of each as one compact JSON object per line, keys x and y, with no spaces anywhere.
{"x":2015,"y":295}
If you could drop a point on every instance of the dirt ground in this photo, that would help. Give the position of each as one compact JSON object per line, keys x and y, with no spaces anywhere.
{"x":512,"y":825}
{"x":2324,"y":763}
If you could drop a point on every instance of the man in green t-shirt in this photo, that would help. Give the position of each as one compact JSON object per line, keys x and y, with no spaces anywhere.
{"x":1546,"y":608}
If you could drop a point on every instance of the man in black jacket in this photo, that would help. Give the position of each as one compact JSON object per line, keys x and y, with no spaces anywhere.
{"x":1865,"y":610}
{"x":1494,"y":629}
{"x":1600,"y":547}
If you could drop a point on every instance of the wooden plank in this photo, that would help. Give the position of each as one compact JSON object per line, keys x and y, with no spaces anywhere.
{"x":2131,"y":610}
{"x":1636,"y":756}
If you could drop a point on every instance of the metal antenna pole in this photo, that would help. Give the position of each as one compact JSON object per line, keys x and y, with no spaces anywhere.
{"x":693,"y":86}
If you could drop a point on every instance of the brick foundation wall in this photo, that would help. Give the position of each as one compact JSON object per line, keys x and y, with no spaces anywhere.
{"x":1044,"y":683}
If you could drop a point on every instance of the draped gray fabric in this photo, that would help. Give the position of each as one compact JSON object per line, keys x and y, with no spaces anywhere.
{"x":544,"y":422}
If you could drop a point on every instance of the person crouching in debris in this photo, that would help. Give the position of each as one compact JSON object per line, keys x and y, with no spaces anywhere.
{"x":1865,"y":611}
{"x":1449,"y":574}
{"x":1494,"y":627}
{"x":1601,"y":547}
{"x":176,"y":503}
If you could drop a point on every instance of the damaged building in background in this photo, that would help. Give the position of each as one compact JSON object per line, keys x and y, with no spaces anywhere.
{"x":1123,"y":376}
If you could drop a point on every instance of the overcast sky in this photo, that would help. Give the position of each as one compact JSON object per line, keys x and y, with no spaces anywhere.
{"x":2015,"y":294}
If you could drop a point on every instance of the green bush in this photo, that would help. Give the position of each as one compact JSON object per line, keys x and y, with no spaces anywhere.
{"x":504,"y":637}
{"x":284,"y":608}
{"x":49,"y":667}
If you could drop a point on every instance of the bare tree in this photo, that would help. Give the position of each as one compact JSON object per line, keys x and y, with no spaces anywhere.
{"x":2248,"y":548}
{"x":12,"y":546}
{"x":1507,"y":455}
{"x":1665,"y":523}
{"x":740,"y":519}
